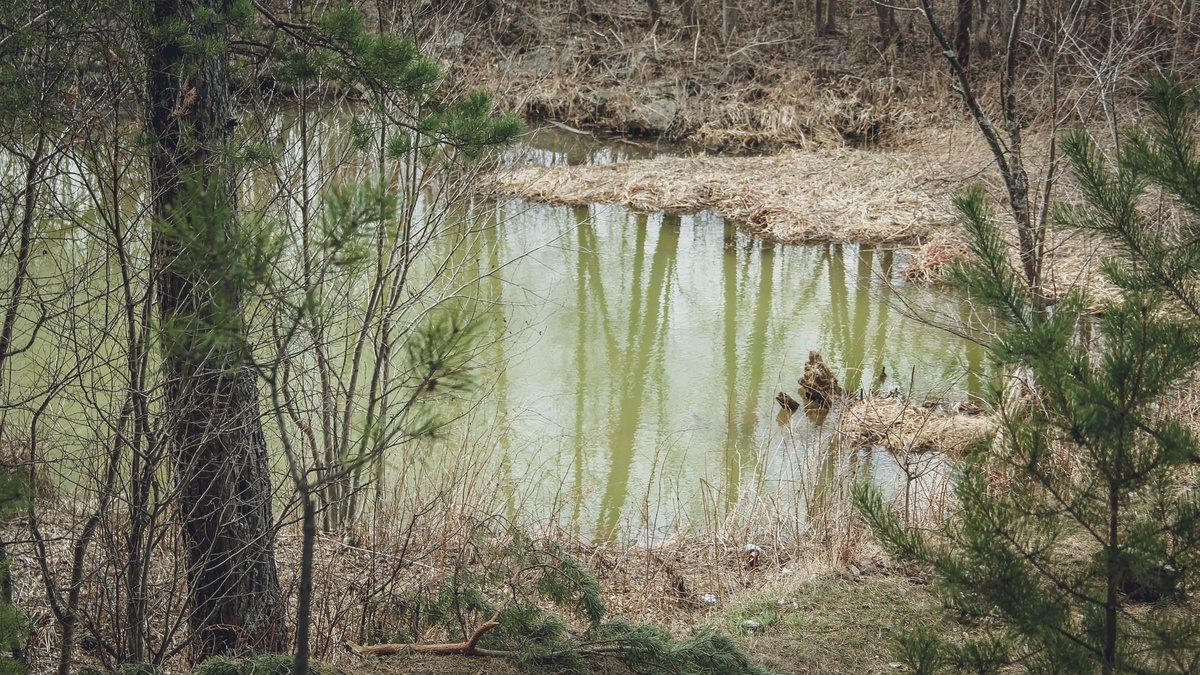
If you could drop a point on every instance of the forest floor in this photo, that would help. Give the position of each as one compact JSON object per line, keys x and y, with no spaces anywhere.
{"x":796,"y":611}
{"x":819,"y":625}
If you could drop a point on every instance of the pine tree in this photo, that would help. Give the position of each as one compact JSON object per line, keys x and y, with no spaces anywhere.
{"x":1075,"y":547}
{"x":214,"y":260}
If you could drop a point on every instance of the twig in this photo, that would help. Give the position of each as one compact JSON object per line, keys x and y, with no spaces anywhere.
{"x":569,"y":128}
{"x":32,"y":21}
{"x":468,"y":648}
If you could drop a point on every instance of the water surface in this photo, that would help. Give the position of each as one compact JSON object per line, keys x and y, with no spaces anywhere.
{"x":635,"y":389}
{"x":629,"y":385}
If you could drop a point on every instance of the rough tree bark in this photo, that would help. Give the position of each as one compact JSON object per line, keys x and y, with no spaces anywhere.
{"x":219,"y":451}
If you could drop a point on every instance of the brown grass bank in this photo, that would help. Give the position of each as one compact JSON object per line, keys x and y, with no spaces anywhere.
{"x":766,"y":76}
{"x":898,"y":197}
{"x":795,"y":196}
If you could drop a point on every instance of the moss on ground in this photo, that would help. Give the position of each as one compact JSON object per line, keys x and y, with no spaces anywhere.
{"x":832,"y":623}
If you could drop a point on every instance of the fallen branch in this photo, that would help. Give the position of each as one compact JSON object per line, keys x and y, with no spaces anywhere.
{"x":465,"y":648}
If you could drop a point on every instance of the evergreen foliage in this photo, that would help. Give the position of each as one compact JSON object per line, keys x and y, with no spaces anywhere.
{"x":199,"y":235}
{"x":401,"y":87}
{"x":1076,"y":546}
{"x":550,"y":614}
{"x":264,"y":664}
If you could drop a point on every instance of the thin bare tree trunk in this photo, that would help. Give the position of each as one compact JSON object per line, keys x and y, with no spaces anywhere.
{"x":691,"y":21}
{"x":1008,"y":155}
{"x":889,"y":31}
{"x":826,"y":17}
{"x":983,"y":38}
{"x":962,"y":33}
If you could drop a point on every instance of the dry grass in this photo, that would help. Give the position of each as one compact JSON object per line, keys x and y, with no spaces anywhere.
{"x":930,"y":260}
{"x":902,"y":427}
{"x":796,"y":196}
{"x":774,"y":84}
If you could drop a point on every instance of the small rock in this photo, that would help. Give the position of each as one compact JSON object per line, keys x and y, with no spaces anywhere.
{"x":895,"y":665}
{"x":708,"y":599}
{"x":569,"y":57}
{"x":654,"y":117}
{"x":751,"y":624}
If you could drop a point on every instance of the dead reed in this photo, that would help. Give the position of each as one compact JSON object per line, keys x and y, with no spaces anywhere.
{"x":796,"y":196}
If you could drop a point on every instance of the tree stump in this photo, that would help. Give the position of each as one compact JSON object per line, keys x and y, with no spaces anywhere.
{"x":819,"y":384}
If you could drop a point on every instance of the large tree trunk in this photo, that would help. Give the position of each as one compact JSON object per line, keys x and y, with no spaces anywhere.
{"x":219,"y":450}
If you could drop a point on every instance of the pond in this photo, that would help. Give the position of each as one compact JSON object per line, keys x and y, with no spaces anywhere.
{"x":629,"y":387}
{"x":636,"y":384}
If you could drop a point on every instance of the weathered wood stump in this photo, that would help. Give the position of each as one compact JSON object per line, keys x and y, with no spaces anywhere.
{"x":787,"y":402}
{"x":819,"y":384}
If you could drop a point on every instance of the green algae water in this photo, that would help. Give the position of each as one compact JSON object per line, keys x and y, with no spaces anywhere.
{"x":633,"y":390}
{"x":644,"y":352}
{"x":629,"y":382}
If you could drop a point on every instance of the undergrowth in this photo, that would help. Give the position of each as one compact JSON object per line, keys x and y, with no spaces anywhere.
{"x":550,"y":613}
